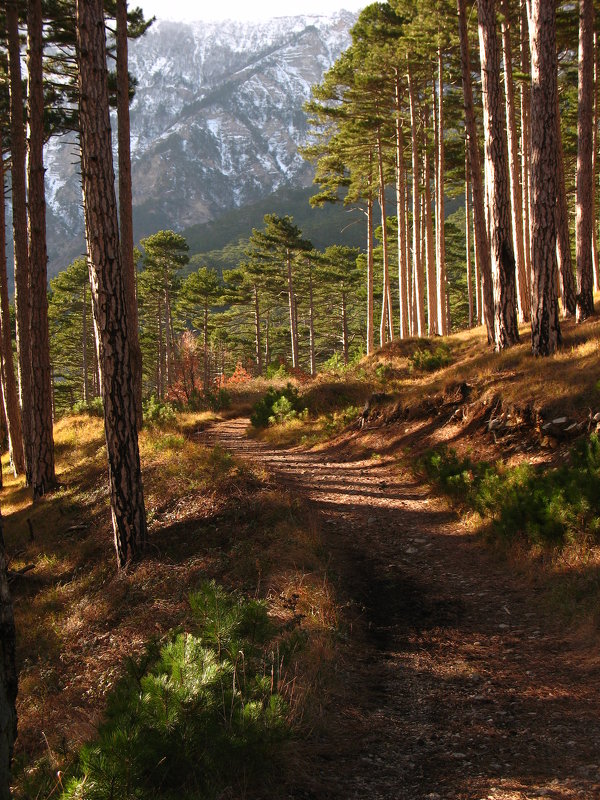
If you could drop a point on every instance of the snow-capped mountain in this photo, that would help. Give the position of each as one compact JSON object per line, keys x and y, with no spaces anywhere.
{"x":216,"y":122}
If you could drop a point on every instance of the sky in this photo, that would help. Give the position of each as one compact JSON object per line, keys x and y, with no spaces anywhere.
{"x":257,"y":10}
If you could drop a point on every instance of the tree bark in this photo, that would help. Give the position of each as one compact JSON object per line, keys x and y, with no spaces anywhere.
{"x":440,"y":214}
{"x":292,"y":308}
{"x":400,"y":213}
{"x":21,"y":252}
{"x":160,"y":362}
{"x":545,"y":326}
{"x":385,"y":304}
{"x":100,"y":212}
{"x":257,"y":330}
{"x":370,"y":272}
{"x":468,"y":238}
{"x":595,"y":267}
{"x":416,"y":204}
{"x":9,"y":681}
{"x":516,"y":196}
{"x":86,"y":386}
{"x":584,"y":222}
{"x":311,"y":321}
{"x":430,"y":260}
{"x":503,"y":261}
{"x":525,"y":103}
{"x":344,"y":328}
{"x":9,"y":385}
{"x":43,"y":476}
{"x":482,"y":251}
{"x":125,"y":203}
{"x":563,"y":238}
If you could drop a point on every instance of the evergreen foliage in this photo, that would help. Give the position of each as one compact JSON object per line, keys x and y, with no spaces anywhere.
{"x":200,"y":715}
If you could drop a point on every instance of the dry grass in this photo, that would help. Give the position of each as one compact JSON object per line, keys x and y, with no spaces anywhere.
{"x":78,"y":620}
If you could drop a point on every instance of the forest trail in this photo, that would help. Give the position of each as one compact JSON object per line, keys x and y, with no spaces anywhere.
{"x":459,"y":685}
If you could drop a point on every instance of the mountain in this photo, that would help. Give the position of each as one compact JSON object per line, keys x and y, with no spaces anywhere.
{"x":215,"y":124}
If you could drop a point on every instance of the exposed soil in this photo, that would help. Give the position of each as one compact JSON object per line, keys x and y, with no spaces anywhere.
{"x":456,"y":682}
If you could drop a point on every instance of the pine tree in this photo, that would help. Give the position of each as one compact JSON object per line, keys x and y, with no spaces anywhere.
{"x":100,"y":212}
{"x":545,"y":326}
{"x":503,"y":261}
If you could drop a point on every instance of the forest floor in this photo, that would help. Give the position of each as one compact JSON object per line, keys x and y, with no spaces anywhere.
{"x":455,"y":681}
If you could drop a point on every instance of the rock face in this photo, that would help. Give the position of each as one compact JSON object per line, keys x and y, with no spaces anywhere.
{"x":216,"y":122}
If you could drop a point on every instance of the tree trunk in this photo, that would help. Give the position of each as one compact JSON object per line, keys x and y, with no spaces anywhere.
{"x":545,"y":326}
{"x":21,"y":253}
{"x":100,"y":212}
{"x":86,"y":390}
{"x":584,"y":223}
{"x":370,"y":275}
{"x":385,"y":305}
{"x":400,"y":212}
{"x":168,"y":336}
{"x":9,"y":681}
{"x":416,"y":204}
{"x":440,"y":215}
{"x":257,"y":330}
{"x":344,"y":329}
{"x":525,"y":103}
{"x":311,"y":321}
{"x":563,"y":243}
{"x":125,"y":204}
{"x":595,"y":267}
{"x":9,"y":386}
{"x":481,"y":242}
{"x":43,"y":476}
{"x":409,"y":281}
{"x":503,"y":261}
{"x":430,"y":260}
{"x":268,"y":339}
{"x":516,"y":196}
{"x":205,"y":346}
{"x":292,"y":307}
{"x":468,"y":238}
{"x":160,"y":380}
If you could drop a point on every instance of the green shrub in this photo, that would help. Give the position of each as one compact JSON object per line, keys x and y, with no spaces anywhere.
{"x":93,"y":408}
{"x":200,"y":717}
{"x":219,"y":400}
{"x":158,"y":414}
{"x":274,"y":371}
{"x":545,"y":506}
{"x":430,"y":360}
{"x":278,"y":405}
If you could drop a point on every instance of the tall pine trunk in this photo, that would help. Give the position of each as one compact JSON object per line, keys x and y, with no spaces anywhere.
{"x":563,"y":237}
{"x":482,"y":250}
{"x":84,"y":333}
{"x":468,"y":238}
{"x":430,"y":260}
{"x":43,"y":475}
{"x":400,"y":212}
{"x":125,"y":204}
{"x":545,"y":326}
{"x":516,"y":196}
{"x":595,"y":267}
{"x":344,"y":328}
{"x":418,"y":306}
{"x":9,"y":385}
{"x":525,"y":148}
{"x":506,"y":331}
{"x":311,"y":321}
{"x":440,"y":239}
{"x":292,"y":309}
{"x":370,"y":268}
{"x":21,"y":250}
{"x":584,"y":223}
{"x":258,"y":346}
{"x":102,"y":236}
{"x":385,"y":298}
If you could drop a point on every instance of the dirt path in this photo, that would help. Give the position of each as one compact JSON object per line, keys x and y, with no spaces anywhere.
{"x":461,"y":686}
